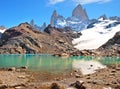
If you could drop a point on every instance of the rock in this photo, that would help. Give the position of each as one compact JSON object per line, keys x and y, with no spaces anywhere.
{"x":113,"y":71}
{"x":19,"y":87}
{"x":24,"y":67}
{"x":78,"y":85}
{"x":12,"y":69}
{"x":71,"y":88}
{"x":54,"y":86}
{"x":3,"y":86}
{"x":77,"y":75}
{"x":118,"y":69}
{"x":61,"y":41}
{"x":61,"y":54}
{"x":22,"y":76}
{"x":64,"y":55}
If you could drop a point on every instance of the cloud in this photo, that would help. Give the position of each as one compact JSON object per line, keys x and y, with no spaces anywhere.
{"x":90,"y":1}
{"x":53,"y":2}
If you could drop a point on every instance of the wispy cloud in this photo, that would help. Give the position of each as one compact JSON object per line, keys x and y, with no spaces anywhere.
{"x":53,"y":2}
{"x":90,"y":1}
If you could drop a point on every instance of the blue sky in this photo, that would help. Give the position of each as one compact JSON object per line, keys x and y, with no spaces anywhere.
{"x":14,"y":12}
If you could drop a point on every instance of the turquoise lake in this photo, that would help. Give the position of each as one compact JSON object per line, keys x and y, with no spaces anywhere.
{"x":49,"y":63}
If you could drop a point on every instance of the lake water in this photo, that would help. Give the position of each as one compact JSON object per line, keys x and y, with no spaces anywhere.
{"x":49,"y":63}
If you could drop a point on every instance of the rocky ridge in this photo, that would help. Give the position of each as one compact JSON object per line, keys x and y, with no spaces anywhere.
{"x":24,"y":39}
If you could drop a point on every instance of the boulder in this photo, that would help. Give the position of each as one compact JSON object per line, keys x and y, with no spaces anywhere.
{"x":78,"y":85}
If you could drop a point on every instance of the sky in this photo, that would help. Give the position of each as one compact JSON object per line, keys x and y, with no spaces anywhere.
{"x":14,"y":12}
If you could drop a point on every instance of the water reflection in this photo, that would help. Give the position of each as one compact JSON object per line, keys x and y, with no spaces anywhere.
{"x":87,"y":67}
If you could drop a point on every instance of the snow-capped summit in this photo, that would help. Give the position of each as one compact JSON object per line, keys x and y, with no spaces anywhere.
{"x":97,"y":35}
{"x":78,"y":20}
{"x":80,"y":13}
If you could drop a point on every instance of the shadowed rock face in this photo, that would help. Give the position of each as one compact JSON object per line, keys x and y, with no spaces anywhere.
{"x":80,"y":13}
{"x":112,"y":47}
{"x":25,"y":39}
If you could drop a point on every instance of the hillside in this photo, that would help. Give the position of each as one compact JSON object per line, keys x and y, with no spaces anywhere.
{"x":24,"y":39}
{"x":112,"y":46}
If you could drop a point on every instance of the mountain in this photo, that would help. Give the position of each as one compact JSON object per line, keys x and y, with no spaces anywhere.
{"x":112,"y":46}
{"x":97,"y":34}
{"x":57,"y":20}
{"x":37,"y":27}
{"x":78,"y":21}
{"x":80,"y":13}
{"x":24,"y":39}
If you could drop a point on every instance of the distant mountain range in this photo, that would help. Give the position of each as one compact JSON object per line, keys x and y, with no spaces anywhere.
{"x":77,"y":21}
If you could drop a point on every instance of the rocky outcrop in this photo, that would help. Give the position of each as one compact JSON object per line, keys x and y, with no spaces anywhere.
{"x":80,"y":13}
{"x":24,"y":39}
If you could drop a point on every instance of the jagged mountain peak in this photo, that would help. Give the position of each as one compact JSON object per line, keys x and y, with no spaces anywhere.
{"x":56,"y":18}
{"x":102,"y":17}
{"x":55,"y":13}
{"x":77,"y":21}
{"x":79,"y":13}
{"x":79,"y":6}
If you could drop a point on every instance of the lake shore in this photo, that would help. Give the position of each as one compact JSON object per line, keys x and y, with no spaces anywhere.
{"x":21,"y":78}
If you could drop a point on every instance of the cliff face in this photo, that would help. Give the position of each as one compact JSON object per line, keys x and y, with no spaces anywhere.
{"x":25,"y":39}
{"x":80,"y":13}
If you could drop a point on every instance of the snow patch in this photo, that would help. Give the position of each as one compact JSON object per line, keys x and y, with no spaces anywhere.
{"x":95,"y":37}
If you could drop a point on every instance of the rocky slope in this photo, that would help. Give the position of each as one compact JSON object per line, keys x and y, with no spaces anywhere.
{"x":25,"y":39}
{"x":112,"y":47}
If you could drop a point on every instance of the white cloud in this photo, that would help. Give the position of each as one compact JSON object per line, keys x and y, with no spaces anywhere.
{"x":53,"y":2}
{"x":90,"y":1}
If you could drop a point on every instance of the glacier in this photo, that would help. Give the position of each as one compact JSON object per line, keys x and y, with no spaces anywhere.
{"x":97,"y":35}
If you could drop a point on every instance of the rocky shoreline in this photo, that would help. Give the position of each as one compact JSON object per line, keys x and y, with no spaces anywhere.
{"x":21,"y":78}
